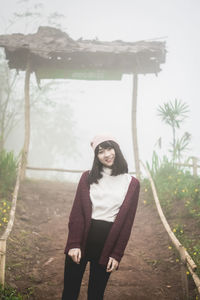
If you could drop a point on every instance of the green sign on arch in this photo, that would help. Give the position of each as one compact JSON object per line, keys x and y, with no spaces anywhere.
{"x":79,"y":74}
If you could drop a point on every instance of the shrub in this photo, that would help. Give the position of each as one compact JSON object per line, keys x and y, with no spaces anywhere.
{"x":175,"y":184}
{"x":9,"y":293}
{"x":8,"y":167}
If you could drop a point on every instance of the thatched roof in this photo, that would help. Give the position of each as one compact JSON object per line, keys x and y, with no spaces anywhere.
{"x":53,"y":54}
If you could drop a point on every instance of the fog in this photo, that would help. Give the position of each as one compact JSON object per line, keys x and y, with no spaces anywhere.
{"x":105,"y":106}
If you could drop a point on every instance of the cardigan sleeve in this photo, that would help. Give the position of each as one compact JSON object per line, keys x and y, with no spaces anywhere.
{"x":76,"y":220}
{"x":122,"y":240}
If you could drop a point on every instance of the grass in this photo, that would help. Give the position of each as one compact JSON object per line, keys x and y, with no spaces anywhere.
{"x":8,"y":168}
{"x":179,"y":195}
{"x":191,"y":243}
{"x":9,"y":293}
{"x":4,"y":212}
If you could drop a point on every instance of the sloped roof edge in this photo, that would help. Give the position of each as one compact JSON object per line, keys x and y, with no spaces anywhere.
{"x":49,"y":46}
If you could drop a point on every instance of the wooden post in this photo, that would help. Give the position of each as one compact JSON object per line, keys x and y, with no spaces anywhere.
{"x":184,"y":281}
{"x":2,"y":261}
{"x":27,"y":120}
{"x":134,"y":125}
{"x":9,"y":227}
{"x":194,"y":162}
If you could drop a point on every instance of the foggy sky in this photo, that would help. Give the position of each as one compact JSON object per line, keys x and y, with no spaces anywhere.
{"x":175,"y":21}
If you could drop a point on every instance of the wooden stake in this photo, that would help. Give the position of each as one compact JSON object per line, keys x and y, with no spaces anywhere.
{"x":14,"y":204}
{"x":5,"y":235}
{"x":27,"y":119}
{"x":194,"y":162}
{"x":134,"y":125}
{"x":2,"y":261}
{"x":184,"y":281}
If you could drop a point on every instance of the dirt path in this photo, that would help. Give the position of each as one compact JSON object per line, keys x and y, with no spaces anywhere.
{"x":35,"y":258}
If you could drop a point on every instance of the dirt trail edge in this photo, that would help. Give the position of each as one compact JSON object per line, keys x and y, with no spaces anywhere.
{"x":35,"y":259}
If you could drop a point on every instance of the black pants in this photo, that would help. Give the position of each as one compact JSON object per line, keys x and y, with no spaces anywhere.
{"x":73,"y":276}
{"x":98,"y":277}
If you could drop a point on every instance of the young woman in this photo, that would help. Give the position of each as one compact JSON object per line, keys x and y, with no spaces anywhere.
{"x":100,"y":221}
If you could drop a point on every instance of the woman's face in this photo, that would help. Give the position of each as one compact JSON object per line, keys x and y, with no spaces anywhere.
{"x":106,"y":156}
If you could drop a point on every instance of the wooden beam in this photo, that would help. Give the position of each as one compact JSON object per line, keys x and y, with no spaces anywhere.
{"x":27,"y":119}
{"x":4,"y":237}
{"x":134,"y":125}
{"x":2,"y":261}
{"x":54,"y":169}
{"x":59,"y":170}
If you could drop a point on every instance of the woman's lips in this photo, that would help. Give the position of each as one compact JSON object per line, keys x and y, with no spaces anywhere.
{"x":109,"y":160}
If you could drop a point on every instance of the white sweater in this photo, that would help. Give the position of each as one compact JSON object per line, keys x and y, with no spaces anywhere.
{"x":108,"y":195}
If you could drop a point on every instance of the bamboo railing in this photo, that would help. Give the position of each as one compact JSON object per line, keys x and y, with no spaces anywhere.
{"x":184,"y":255}
{"x":59,"y":170}
{"x":4,"y":237}
{"x":54,"y":169}
{"x":194,"y":165}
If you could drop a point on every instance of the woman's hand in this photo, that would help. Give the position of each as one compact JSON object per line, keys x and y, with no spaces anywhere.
{"x":112,"y":264}
{"x":75,"y":254}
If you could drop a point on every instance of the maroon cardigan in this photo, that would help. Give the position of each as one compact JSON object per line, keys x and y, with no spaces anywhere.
{"x":80,"y":218}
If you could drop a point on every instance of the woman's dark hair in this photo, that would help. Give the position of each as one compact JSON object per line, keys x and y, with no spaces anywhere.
{"x":119,"y":166}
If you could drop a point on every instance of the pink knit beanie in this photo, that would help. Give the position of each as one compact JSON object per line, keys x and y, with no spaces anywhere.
{"x":98,"y":139}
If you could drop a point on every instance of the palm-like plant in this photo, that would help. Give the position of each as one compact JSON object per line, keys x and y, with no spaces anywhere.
{"x":182,"y":145}
{"x":173,"y":114}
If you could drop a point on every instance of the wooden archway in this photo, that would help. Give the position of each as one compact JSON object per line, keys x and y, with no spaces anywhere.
{"x":51,"y":53}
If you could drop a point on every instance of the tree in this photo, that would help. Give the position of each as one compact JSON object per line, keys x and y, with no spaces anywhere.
{"x":174,"y":114}
{"x":182,"y":145}
{"x":10,"y":102}
{"x":31,"y":15}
